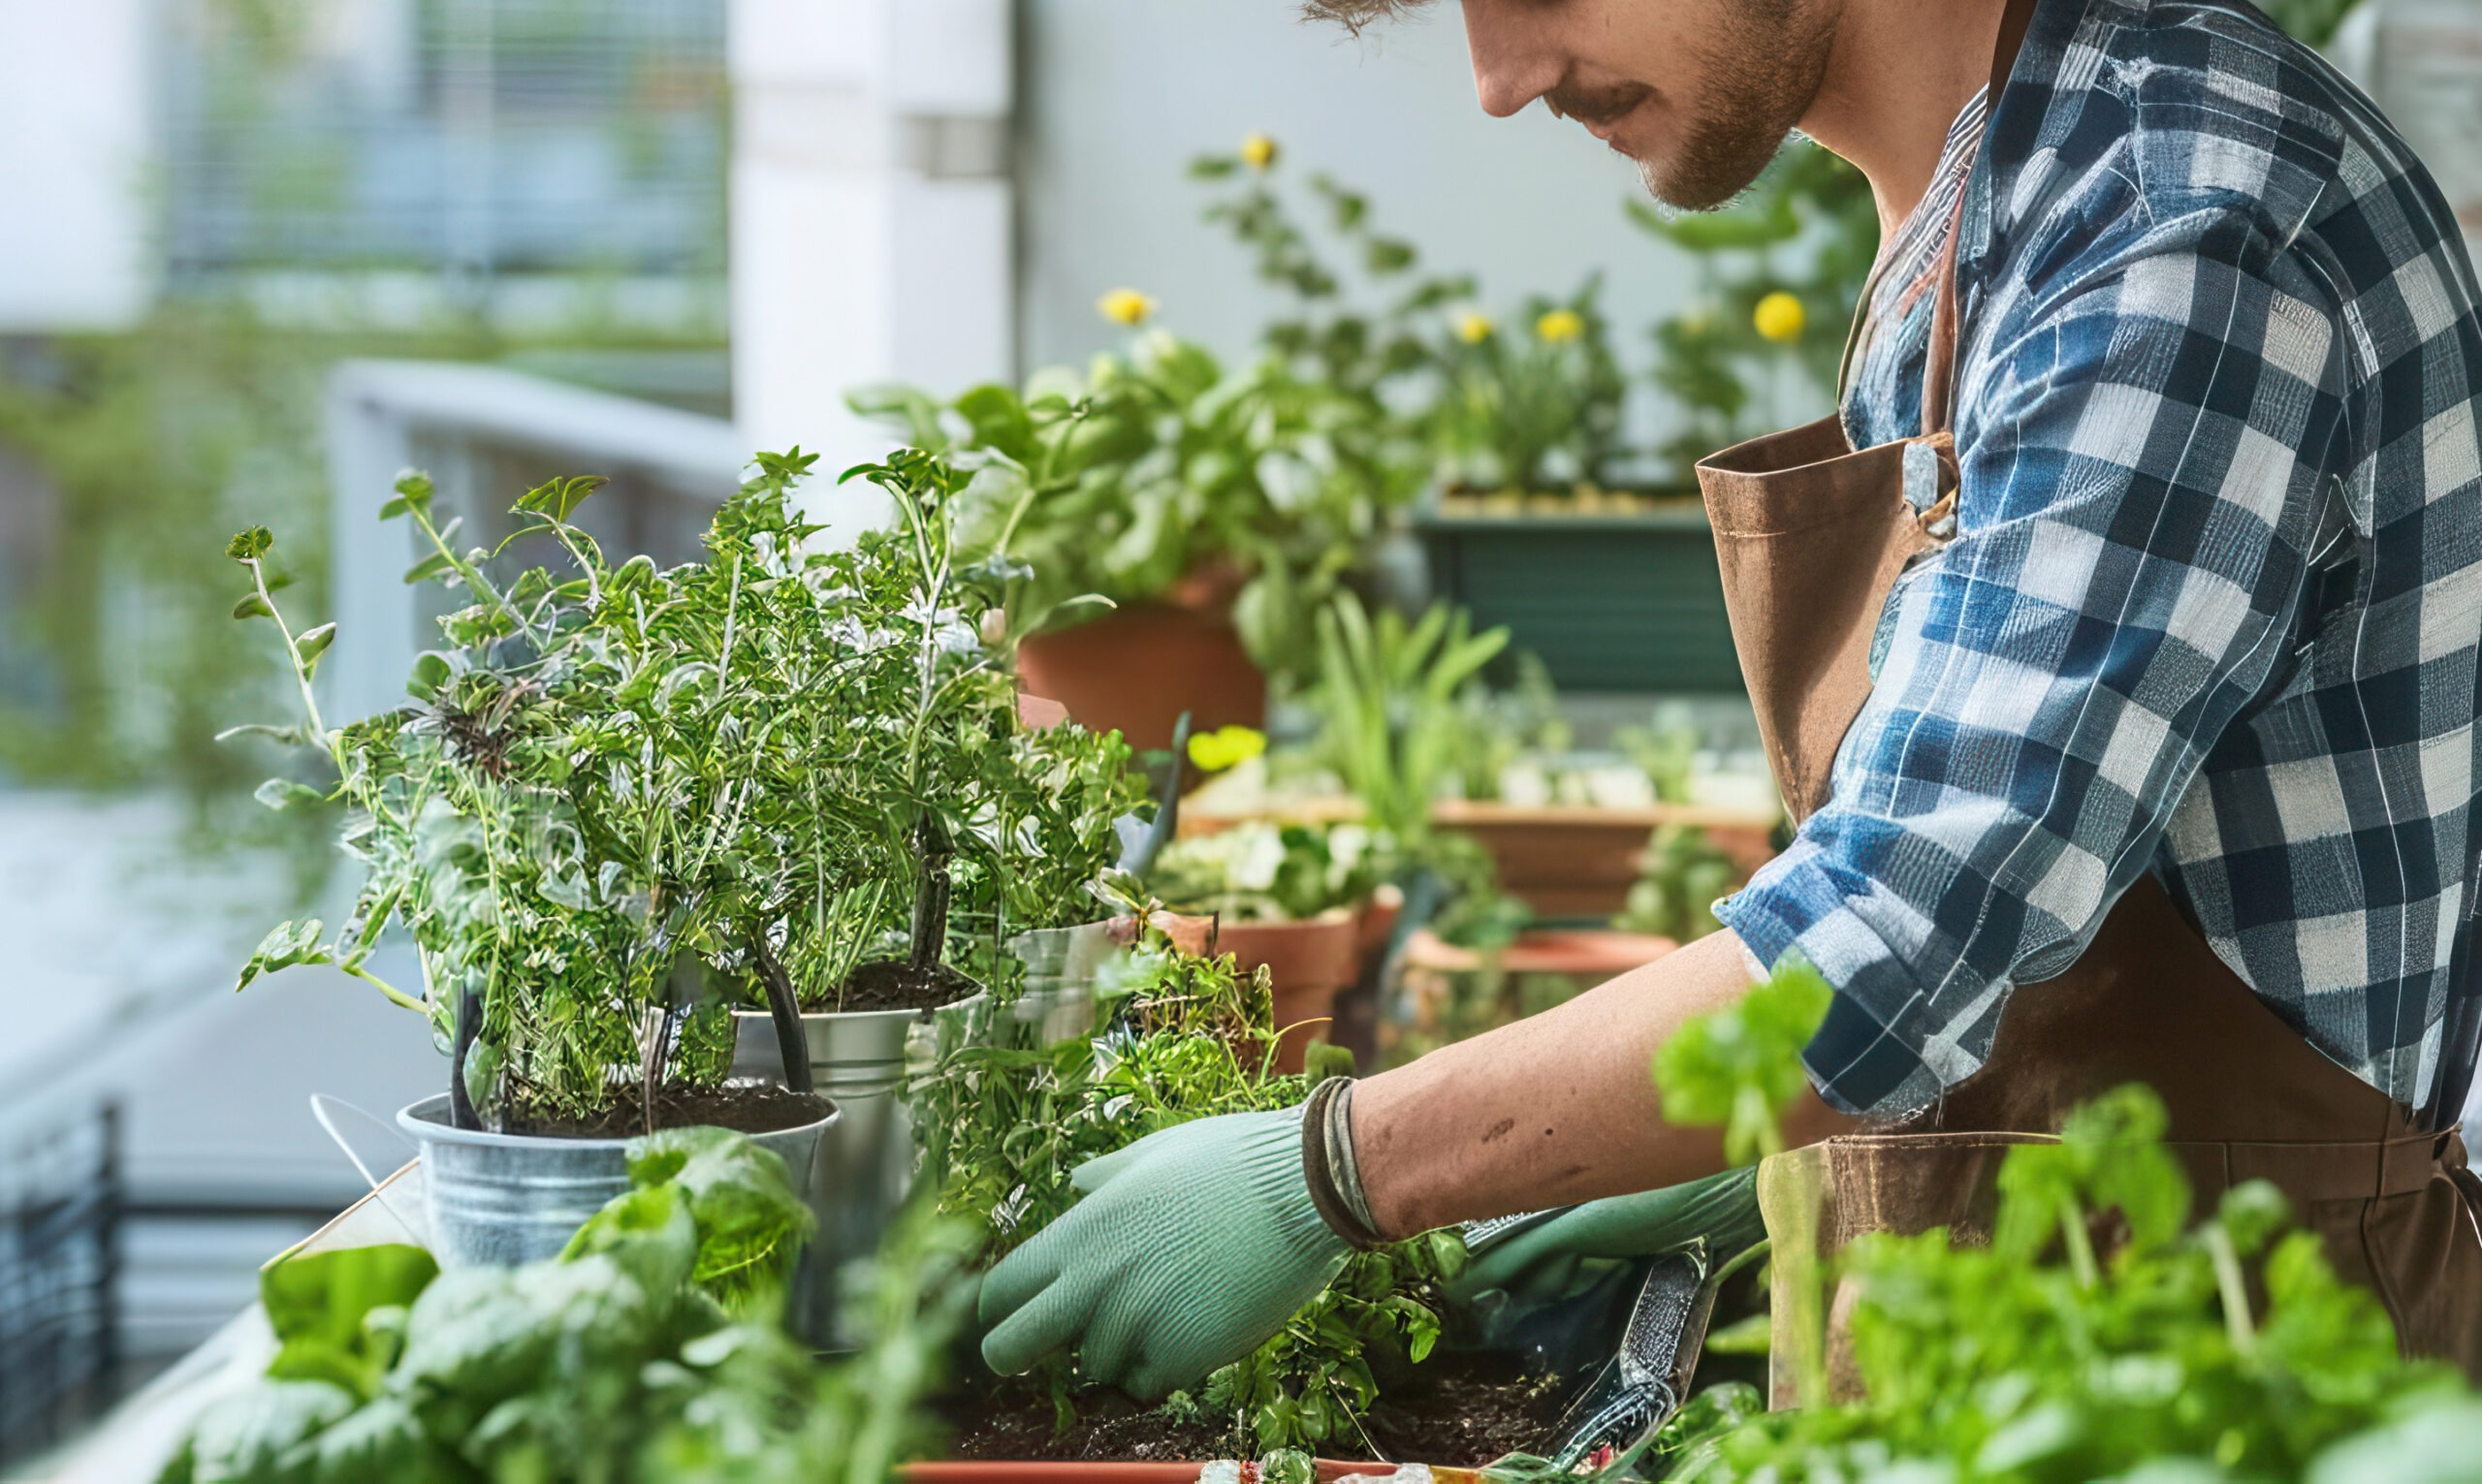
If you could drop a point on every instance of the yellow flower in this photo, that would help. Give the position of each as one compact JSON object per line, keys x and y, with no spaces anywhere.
{"x":1560,"y":326}
{"x":1474,"y":326}
{"x":1257,"y":151}
{"x":1124,"y":306}
{"x":1225,"y":747}
{"x":1779,"y":317}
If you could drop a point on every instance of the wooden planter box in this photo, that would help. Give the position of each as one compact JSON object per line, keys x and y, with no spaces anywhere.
{"x":1577,"y":860}
{"x":1624,"y":599}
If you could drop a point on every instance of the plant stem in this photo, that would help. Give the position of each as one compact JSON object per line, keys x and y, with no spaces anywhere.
{"x":394,"y":993}
{"x":2234,"y":1289}
{"x":784,"y":1009}
{"x":301,"y":671}
{"x":2080,"y":1247}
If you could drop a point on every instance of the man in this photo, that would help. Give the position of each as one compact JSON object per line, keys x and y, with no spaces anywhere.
{"x":2123,"y":680}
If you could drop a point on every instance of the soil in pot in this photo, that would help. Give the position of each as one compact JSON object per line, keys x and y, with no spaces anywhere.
{"x":748,"y":1107}
{"x":892,"y":984}
{"x":1461,"y":1412}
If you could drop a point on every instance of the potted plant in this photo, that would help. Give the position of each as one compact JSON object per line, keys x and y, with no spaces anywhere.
{"x":545,"y":824}
{"x":1353,"y":1373}
{"x":885,"y":821}
{"x":1215,"y":507}
{"x":1288,"y":899}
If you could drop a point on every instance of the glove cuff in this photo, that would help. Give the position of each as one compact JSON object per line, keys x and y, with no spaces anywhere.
{"x":1328,"y":1167}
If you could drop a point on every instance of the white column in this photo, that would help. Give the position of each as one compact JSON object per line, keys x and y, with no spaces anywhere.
{"x":75,"y":150}
{"x":871,"y":216}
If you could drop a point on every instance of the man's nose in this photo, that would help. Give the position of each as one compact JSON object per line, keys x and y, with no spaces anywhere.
{"x":1514,"y":61}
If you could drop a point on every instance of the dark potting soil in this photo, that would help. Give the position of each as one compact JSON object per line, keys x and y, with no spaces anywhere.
{"x":1471,"y":1411}
{"x":744,"y":1106}
{"x":892,"y":984}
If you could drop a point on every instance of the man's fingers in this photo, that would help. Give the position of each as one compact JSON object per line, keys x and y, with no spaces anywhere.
{"x":1151,"y":1380}
{"x":1112,"y":1344}
{"x":1048,"y":1321}
{"x":1020,"y":1275}
{"x":1500,"y":1266}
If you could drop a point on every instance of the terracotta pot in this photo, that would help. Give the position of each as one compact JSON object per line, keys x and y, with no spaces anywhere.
{"x":1138,"y":666}
{"x":1307,"y":963}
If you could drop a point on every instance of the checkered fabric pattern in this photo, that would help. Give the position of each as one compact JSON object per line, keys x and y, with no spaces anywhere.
{"x":2214,"y":608}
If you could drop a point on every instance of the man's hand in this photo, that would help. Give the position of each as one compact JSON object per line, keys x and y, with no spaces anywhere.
{"x":1191,"y":1248}
{"x":1543,"y":1260}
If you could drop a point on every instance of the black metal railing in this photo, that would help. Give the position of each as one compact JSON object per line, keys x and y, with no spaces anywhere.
{"x":60,"y":1220}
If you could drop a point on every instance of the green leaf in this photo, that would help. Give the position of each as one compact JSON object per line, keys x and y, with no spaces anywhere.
{"x":325,"y":1295}
{"x":431,"y":673}
{"x":320,"y":1304}
{"x":414,"y":492}
{"x":250,"y":545}
{"x":314,"y":643}
{"x":558,"y":497}
{"x":253,"y":607}
{"x":282,"y":794}
{"x":293,"y":736}
{"x":1741,"y":1066}
{"x":427,"y":568}
{"x":286,"y":945}
{"x":261,"y":1436}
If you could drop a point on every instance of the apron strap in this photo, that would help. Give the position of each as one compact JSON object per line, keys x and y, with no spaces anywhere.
{"x":1939,"y":369}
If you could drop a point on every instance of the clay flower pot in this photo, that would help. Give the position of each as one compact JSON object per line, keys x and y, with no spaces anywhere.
{"x":1138,"y":666}
{"x":1308,"y":964}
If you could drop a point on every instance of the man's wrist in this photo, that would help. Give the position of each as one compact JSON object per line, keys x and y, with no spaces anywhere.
{"x":1329,"y":1168}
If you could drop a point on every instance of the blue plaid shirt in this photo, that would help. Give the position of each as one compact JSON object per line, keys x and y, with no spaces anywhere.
{"x":2214,"y":608}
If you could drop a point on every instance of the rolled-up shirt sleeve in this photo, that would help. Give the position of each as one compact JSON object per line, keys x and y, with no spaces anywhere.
{"x":2145,"y":436}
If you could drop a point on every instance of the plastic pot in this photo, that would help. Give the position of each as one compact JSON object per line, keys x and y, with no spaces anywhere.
{"x":862,"y":1167}
{"x":1138,"y":666}
{"x":498,"y":1200}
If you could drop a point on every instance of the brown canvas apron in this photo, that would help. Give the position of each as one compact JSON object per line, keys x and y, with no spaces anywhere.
{"x":1812,"y":536}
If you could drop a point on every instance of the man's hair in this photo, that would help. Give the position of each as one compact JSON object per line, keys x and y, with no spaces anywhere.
{"x":1354,"y":15}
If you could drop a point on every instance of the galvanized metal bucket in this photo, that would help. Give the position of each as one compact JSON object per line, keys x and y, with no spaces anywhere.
{"x":863,"y":1165}
{"x":498,"y":1200}
{"x":1057,"y":1003}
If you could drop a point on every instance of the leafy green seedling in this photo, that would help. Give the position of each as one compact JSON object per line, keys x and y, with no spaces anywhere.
{"x":1741,"y":1066}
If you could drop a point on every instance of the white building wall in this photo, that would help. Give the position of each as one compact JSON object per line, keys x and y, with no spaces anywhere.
{"x":872,"y":234}
{"x":1121,"y":94}
{"x":74,"y":148}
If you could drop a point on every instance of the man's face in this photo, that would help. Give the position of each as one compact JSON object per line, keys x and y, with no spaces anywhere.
{"x":1700,"y":93}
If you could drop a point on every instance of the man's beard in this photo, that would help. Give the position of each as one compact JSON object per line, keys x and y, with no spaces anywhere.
{"x":1759,"y":78}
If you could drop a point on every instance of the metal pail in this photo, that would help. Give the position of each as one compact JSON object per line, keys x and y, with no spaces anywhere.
{"x":498,"y":1200}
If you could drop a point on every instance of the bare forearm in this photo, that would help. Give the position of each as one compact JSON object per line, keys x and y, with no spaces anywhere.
{"x":1553,"y":1110}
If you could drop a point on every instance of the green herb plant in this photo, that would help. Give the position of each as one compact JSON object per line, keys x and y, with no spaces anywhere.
{"x":648,"y":1350}
{"x":1389,"y":705}
{"x":2216,"y":1354}
{"x":1159,"y":474}
{"x":1680,"y":878}
{"x":1191,"y":1037}
{"x":627,"y":796}
{"x":1259,"y":870}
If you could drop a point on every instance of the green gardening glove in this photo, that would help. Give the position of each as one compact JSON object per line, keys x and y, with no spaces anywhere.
{"x":1191,"y":1248}
{"x":1543,"y":1262}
